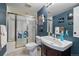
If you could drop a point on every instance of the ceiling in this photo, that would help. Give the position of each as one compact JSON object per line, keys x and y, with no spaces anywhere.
{"x":58,"y":8}
{"x":26,"y":8}
{"x":32,"y":8}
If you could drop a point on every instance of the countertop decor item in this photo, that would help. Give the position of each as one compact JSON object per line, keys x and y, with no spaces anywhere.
{"x":62,"y":36}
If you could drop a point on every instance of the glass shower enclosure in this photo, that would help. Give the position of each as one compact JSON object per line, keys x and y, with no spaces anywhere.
{"x":21,"y":31}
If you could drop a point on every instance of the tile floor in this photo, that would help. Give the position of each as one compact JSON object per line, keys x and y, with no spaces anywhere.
{"x":12,"y":51}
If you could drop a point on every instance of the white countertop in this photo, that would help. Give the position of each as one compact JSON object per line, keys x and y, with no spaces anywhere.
{"x":55,"y":43}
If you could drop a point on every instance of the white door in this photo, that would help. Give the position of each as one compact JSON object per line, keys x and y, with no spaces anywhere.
{"x":76,"y":22}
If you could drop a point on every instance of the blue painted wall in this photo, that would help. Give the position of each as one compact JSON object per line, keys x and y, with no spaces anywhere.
{"x":43,"y":11}
{"x":2,"y":22}
{"x":2,"y":13}
{"x":65,"y":23}
{"x":75,"y":47}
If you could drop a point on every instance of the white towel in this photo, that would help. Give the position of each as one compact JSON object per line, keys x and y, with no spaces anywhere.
{"x":3,"y":35}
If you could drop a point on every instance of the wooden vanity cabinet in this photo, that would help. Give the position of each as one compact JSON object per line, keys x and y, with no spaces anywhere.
{"x":43,"y":50}
{"x":47,"y":51}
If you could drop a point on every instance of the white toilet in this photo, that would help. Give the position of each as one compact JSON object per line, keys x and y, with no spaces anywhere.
{"x":32,"y":48}
{"x":38,"y":40}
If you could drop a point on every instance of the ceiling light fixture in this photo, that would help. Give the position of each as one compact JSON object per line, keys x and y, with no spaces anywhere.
{"x":28,"y":5}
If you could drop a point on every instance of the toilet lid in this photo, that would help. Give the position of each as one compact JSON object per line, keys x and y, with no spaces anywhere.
{"x":31,"y":45}
{"x":38,"y":37}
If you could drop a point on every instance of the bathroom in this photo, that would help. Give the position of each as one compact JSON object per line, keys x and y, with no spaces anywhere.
{"x":39,"y":29}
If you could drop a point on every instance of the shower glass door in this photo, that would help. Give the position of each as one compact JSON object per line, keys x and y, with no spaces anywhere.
{"x":21,"y":31}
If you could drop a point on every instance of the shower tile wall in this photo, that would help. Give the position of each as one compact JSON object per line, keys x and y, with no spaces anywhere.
{"x":31,"y":29}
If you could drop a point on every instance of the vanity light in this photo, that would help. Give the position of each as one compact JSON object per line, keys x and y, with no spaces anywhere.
{"x":43,"y":18}
{"x":70,"y":14}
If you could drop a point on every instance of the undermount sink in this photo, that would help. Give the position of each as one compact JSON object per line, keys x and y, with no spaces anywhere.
{"x":56,"y":43}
